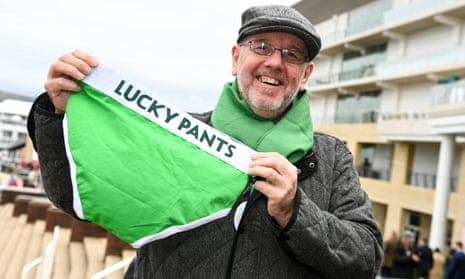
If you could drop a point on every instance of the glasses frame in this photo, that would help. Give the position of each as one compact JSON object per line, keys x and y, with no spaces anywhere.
{"x":284,"y":51}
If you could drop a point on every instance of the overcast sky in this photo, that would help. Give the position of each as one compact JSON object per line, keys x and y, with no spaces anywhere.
{"x":181,"y":50}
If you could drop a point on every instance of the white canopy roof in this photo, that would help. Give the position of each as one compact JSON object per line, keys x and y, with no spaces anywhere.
{"x":11,"y":106}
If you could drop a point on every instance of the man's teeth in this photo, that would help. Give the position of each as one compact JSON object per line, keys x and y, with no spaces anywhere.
{"x":269,"y":80}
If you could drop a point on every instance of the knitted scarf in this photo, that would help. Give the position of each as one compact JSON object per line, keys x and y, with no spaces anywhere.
{"x":291,"y":136}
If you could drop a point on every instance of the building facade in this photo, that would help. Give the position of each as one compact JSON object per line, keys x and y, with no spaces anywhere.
{"x":390,"y":82}
{"x":13,"y":134}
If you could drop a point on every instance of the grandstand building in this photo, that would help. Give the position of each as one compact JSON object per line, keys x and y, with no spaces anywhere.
{"x":389,"y":81}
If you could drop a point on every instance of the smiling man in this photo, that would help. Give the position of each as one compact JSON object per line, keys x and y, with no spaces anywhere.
{"x":303,"y":213}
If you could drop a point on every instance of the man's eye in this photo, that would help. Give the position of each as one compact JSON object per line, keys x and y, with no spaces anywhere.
{"x":293,"y":54}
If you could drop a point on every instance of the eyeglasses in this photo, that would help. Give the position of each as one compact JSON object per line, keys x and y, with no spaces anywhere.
{"x":262,"y":48}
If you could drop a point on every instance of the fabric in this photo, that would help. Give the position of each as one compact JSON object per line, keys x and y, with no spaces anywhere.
{"x":332,"y":220}
{"x":280,"y":18}
{"x":291,"y":136}
{"x":456,"y":268}
{"x":144,"y":159}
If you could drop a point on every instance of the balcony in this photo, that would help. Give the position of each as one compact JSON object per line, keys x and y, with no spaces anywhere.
{"x":407,"y":12}
{"x":368,"y":17}
{"x":446,"y":115}
{"x":372,"y":27}
{"x":403,"y":125}
{"x":428,"y":181}
{"x":355,"y":68}
{"x":433,"y":61}
{"x":410,"y":69}
{"x":447,"y":112}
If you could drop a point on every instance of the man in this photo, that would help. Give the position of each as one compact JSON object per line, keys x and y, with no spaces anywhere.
{"x":389,"y":245}
{"x":305,"y":219}
{"x":456,"y":267}
{"x":426,"y":258}
{"x":404,"y":261}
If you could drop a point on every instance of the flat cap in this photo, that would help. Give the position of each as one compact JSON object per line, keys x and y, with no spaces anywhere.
{"x":280,"y":18}
{"x":409,"y":235}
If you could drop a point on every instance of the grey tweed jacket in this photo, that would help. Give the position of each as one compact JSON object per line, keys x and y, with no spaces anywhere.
{"x":332,"y":233}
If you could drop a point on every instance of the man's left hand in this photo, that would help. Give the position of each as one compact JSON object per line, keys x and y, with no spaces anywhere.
{"x":279,"y":184}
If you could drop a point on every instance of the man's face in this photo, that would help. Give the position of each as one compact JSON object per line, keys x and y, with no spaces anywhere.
{"x":268,"y":83}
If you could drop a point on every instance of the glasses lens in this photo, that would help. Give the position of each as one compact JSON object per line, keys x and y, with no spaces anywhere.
{"x":293,"y":56}
{"x":262,"y":48}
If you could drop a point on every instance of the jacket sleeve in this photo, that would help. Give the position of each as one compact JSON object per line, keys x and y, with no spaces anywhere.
{"x":400,"y":257}
{"x":46,"y":132}
{"x":333,"y":230}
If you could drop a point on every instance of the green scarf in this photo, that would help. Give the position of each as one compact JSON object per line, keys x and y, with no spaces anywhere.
{"x":291,"y":136}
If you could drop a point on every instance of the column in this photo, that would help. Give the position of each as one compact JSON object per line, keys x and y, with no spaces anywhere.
{"x":441,"y":196}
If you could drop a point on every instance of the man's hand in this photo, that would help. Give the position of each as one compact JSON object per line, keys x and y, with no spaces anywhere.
{"x":63,"y":74}
{"x":279,"y":186}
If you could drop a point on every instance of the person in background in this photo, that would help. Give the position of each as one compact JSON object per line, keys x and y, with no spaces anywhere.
{"x":389,"y":245}
{"x":404,"y":261}
{"x":456,"y":267}
{"x":305,"y":219}
{"x":426,"y":259}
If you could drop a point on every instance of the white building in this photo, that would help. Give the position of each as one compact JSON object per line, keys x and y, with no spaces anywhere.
{"x":390,"y":81}
{"x":13,"y":133}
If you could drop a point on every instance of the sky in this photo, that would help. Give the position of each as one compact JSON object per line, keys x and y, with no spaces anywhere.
{"x":180,"y":50}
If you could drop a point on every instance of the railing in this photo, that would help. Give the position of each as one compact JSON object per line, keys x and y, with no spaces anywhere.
{"x":424,"y":61}
{"x":45,"y":263}
{"x":379,"y":174}
{"x":449,"y":93}
{"x":414,"y":9}
{"x":363,"y":71}
{"x":369,"y":17}
{"x":107,"y":271}
{"x":363,"y":66}
{"x":407,"y":64}
{"x":428,"y":181}
{"x":369,"y":116}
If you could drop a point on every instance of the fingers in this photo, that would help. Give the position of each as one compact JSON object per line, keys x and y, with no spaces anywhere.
{"x":279,"y":184}
{"x":63,"y":74}
{"x":75,"y":65}
{"x":270,"y":165}
{"x":60,"y":84}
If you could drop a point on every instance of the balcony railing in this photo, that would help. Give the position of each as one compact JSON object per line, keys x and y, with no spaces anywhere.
{"x":372,"y":17}
{"x":379,"y":174}
{"x":367,"y":17}
{"x":449,"y":93}
{"x":382,"y":68}
{"x":368,"y":116}
{"x":414,"y":9}
{"x":424,"y":61}
{"x":363,"y":71}
{"x":428,"y":181}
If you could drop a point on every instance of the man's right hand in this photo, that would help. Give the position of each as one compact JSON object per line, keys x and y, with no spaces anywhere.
{"x":63,"y":74}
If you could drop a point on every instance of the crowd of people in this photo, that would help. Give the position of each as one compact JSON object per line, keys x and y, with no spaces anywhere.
{"x":22,"y":174}
{"x":406,"y":258}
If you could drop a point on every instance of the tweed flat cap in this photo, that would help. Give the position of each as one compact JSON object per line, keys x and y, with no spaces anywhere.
{"x":409,"y":235}
{"x":280,"y":18}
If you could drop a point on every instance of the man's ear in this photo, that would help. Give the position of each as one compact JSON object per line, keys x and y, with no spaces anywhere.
{"x":235,"y":58}
{"x":307,"y":74}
